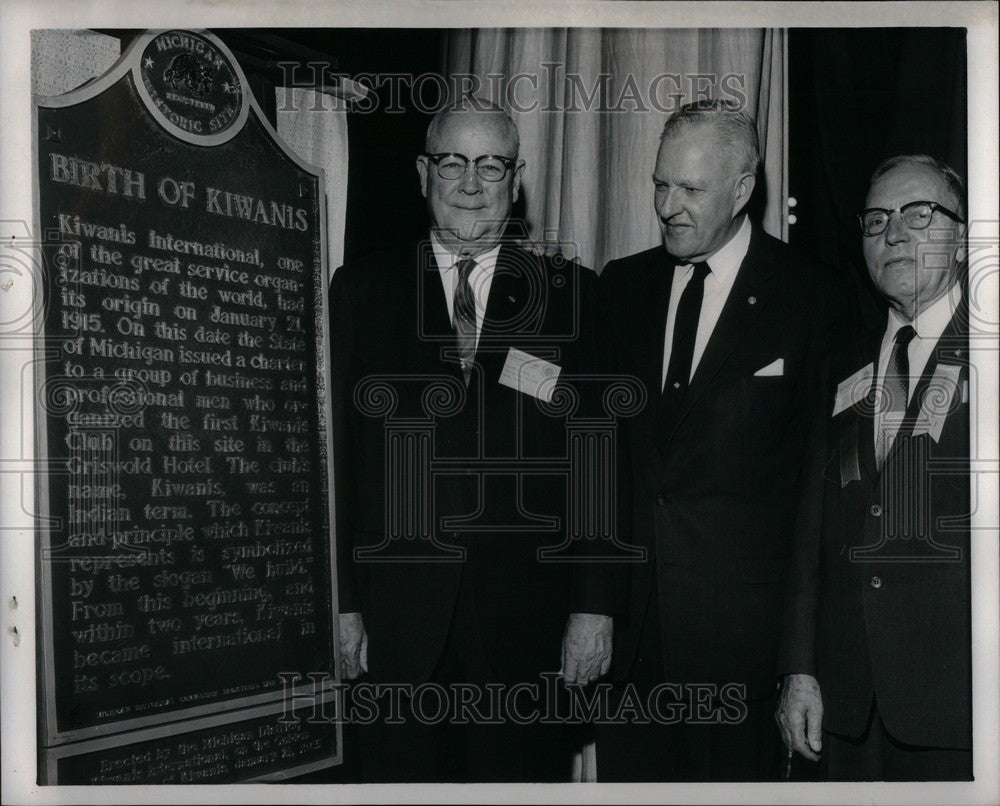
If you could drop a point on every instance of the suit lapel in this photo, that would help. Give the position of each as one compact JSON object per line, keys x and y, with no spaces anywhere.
{"x":747,"y":299}
{"x":951,"y":349}
{"x":651,"y":323}
{"x":512,"y":308}
{"x":873,"y":345}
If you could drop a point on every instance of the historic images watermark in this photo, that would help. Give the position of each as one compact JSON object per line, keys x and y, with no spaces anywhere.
{"x":545,"y":701}
{"x":551,"y":89}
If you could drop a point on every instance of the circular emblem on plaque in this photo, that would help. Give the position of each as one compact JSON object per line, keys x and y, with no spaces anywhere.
{"x":191,"y":86}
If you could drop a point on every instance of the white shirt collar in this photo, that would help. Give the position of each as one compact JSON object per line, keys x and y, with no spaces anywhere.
{"x":447,"y":259}
{"x":930,"y":323}
{"x":727,"y":261}
{"x":480,"y":278}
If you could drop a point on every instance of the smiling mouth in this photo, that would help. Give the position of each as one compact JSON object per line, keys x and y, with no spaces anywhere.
{"x":898,"y":260}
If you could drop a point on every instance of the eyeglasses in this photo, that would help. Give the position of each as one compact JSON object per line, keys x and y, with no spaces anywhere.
{"x":489,"y":167}
{"x":916,"y":215}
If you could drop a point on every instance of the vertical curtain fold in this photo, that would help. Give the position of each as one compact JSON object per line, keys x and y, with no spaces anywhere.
{"x":590,"y":104}
{"x":315,"y":126}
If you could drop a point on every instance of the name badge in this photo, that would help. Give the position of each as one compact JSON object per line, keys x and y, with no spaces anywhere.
{"x":853,"y":389}
{"x":529,"y":375}
{"x":937,"y":401}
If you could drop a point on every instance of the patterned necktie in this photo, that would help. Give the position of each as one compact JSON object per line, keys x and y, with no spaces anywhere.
{"x":895,"y":391}
{"x":685,"y":332}
{"x":465,"y":317}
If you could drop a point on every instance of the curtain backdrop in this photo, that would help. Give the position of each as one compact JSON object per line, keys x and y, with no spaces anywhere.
{"x":590,"y":104}
{"x":315,"y":126}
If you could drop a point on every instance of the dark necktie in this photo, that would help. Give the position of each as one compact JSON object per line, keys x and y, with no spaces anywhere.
{"x":685,"y":332}
{"x":895,"y":391}
{"x":465,"y":317}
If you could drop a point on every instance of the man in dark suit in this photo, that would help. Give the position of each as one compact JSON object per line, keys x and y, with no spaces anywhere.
{"x":446,"y":355}
{"x":725,"y":325}
{"x":877,"y":640}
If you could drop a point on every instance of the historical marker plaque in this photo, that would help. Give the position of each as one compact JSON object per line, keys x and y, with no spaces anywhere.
{"x":182,"y":395}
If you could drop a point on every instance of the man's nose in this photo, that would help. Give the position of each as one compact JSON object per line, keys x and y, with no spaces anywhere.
{"x":896,"y":231}
{"x":470,"y":182}
{"x":668,"y":203}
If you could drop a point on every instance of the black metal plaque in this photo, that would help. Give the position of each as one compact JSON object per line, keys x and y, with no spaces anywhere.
{"x":183,"y":403}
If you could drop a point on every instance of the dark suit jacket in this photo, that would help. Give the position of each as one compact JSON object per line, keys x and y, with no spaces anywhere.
{"x":713,"y":489}
{"x":879,"y":599}
{"x":490,"y":456}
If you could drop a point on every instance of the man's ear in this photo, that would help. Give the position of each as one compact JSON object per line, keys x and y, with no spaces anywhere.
{"x":422,"y":169}
{"x":962,"y":251}
{"x":742,"y":191}
{"x":518,"y":170}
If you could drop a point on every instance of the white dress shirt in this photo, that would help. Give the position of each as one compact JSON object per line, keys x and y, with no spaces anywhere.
{"x":724,"y":265}
{"x":480,"y":278}
{"x":928,"y":325}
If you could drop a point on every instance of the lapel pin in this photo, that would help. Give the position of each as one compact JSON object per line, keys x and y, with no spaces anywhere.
{"x":752,"y":300}
{"x":511,"y":299}
{"x":958,"y":353}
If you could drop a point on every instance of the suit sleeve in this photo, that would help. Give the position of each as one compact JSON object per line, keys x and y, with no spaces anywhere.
{"x":342,"y":336}
{"x":836,"y":317}
{"x":598,"y":585}
{"x":797,"y":649}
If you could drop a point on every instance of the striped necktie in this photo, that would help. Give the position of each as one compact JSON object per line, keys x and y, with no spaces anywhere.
{"x":895,"y":392}
{"x":465,"y":317}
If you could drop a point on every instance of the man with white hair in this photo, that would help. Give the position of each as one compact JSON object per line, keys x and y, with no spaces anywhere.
{"x":726,"y":326}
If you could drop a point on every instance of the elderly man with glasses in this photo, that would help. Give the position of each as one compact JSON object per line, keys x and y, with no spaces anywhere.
{"x":877,"y":640}
{"x":448,"y":442}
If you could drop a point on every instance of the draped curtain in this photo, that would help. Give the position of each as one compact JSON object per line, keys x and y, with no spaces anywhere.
{"x":315,"y":126}
{"x":590,"y":104}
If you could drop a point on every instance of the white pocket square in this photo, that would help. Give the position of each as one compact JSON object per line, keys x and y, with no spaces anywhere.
{"x":774,"y":369}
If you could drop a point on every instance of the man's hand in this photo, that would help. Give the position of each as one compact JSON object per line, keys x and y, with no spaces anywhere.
{"x":586,"y":649}
{"x":353,"y":646}
{"x":800,"y":715}
{"x":548,"y":249}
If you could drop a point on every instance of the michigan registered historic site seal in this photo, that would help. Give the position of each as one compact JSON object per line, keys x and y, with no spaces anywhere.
{"x":191,"y":85}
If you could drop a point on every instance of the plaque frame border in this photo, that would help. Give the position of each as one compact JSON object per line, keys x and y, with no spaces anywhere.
{"x":53,"y":755}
